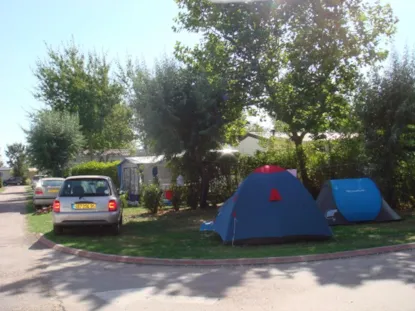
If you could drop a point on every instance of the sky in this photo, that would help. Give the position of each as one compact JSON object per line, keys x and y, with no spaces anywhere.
{"x":119,"y":28}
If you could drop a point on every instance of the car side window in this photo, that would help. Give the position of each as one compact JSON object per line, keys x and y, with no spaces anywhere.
{"x":114,"y":189}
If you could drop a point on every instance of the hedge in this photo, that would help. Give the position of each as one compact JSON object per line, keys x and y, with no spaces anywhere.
{"x":97,"y":168}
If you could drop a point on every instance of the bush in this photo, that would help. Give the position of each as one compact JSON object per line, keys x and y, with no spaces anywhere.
{"x":220,"y":189}
{"x":124,"y":200}
{"x":97,"y":168}
{"x":334,"y":160}
{"x":283,"y":157}
{"x":1,"y":182}
{"x":151,"y":197}
{"x":178,"y":196}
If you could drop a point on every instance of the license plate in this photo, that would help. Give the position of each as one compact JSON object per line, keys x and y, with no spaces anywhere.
{"x":85,"y":205}
{"x":53,"y":190}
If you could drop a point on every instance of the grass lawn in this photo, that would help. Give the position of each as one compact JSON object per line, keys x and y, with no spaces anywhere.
{"x":176,"y":235}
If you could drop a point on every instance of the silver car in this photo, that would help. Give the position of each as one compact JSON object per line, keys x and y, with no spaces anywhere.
{"x":46,"y":191}
{"x":87,"y":201}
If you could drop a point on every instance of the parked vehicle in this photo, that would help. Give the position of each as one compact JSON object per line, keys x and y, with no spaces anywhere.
{"x":36,"y":179}
{"x":13,"y":181}
{"x":47,"y":189}
{"x":87,"y":201}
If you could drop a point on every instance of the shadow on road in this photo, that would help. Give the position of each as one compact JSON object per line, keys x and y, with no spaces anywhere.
{"x":70,"y":275}
{"x":85,"y":278}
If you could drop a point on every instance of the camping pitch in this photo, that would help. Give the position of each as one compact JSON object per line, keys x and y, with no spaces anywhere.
{"x":348,"y":201}
{"x":270,"y":206}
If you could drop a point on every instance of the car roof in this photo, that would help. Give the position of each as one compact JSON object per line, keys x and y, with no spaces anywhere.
{"x":53,"y":178}
{"x":87,"y":177}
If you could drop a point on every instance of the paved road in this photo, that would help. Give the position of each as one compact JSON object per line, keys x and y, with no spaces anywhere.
{"x":35,"y":278}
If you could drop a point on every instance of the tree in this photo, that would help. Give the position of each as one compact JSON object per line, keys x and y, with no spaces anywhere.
{"x":297,"y":59}
{"x":1,"y":160}
{"x":54,"y":139}
{"x":118,"y":130}
{"x":16,"y":154}
{"x":386,"y":107}
{"x":179,"y":109}
{"x":80,"y":84}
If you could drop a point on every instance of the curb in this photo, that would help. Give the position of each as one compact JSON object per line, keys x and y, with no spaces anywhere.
{"x":223,"y":262}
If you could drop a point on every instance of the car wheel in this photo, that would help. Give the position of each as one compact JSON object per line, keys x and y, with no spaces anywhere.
{"x":116,"y":228}
{"x":57,"y":230}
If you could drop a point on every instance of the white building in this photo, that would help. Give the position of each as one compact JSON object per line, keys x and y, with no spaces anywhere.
{"x":5,"y":173}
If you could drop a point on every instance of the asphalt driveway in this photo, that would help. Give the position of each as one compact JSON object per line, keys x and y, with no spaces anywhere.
{"x":33,"y":277}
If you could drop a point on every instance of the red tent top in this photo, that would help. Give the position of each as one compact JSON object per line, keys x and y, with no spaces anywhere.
{"x":269,"y":169}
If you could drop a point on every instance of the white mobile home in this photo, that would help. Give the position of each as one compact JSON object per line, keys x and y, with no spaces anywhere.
{"x":134,"y":171}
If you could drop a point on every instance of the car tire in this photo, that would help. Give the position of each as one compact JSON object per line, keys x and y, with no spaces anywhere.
{"x":57,"y":230}
{"x":116,"y":228}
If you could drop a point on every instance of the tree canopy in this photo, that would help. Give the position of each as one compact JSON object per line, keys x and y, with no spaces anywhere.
{"x":54,"y":139}
{"x":17,"y":159}
{"x":386,"y":110}
{"x":69,"y":80}
{"x":180,"y":110}
{"x":299,"y":60}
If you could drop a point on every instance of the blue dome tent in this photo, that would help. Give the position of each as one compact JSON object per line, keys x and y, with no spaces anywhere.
{"x":270,"y":206}
{"x":348,"y":201}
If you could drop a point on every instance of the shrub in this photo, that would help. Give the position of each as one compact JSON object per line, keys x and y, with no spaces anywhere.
{"x":151,"y":197}
{"x":1,"y":182}
{"x":97,"y":168}
{"x":338,"y":159}
{"x":178,"y":196}
{"x":283,"y":157}
{"x":124,"y":200}
{"x":221,"y":189}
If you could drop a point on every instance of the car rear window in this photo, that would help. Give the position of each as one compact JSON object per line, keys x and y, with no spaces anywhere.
{"x":85,"y":187}
{"x":52,"y":183}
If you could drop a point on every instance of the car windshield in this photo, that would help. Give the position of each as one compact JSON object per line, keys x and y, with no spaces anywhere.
{"x":52,"y":183}
{"x":85,"y":187}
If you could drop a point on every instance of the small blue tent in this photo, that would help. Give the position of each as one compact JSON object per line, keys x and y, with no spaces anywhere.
{"x":271,"y":205}
{"x":347,"y":201}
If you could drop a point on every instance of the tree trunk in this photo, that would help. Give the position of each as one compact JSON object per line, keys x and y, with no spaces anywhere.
{"x":301,"y":158}
{"x":389,"y":180}
{"x":204,"y":187}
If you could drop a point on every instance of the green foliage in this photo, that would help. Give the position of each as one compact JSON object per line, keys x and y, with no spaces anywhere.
{"x":344,"y":158}
{"x":336,"y":159}
{"x":71,"y":81}
{"x":386,"y":107}
{"x":117,"y":131}
{"x":1,"y":182}
{"x":282,"y":157}
{"x":178,"y":197}
{"x":97,"y":168}
{"x":54,"y":139}
{"x":299,"y":60}
{"x":151,"y":196}
{"x":182,"y":109}
{"x":178,"y":109}
{"x":124,"y":200}
{"x":17,"y":159}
